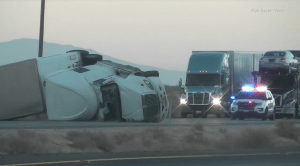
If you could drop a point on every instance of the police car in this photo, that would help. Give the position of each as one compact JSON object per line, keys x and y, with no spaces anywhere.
{"x":253,"y":102}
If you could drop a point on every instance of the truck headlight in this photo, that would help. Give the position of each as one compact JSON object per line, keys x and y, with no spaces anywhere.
{"x":183,"y":101}
{"x":216,"y":101}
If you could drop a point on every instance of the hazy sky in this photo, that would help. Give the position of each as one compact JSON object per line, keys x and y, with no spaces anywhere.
{"x":156,"y":33}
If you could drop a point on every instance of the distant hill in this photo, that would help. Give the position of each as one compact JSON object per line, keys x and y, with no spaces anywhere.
{"x":23,"y":49}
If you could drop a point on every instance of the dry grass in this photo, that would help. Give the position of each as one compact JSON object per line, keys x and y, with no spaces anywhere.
{"x":26,"y":142}
{"x":196,"y":137}
{"x":90,"y":140}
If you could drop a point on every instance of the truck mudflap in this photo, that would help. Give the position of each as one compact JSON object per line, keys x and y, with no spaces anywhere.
{"x":20,"y":88}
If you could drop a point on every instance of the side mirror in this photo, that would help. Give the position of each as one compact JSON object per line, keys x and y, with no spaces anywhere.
{"x":180,"y":82}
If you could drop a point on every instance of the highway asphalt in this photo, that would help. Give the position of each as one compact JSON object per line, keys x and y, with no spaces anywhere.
{"x":265,"y":157}
{"x":225,"y":122}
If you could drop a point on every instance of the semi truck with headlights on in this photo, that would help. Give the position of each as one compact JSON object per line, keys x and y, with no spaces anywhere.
{"x":285,"y":89}
{"x":81,"y":86}
{"x":212,"y":77}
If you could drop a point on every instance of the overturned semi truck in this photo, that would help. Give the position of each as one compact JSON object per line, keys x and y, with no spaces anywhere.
{"x":81,"y":86}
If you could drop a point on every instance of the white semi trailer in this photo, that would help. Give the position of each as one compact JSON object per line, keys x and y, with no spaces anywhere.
{"x":81,"y":86}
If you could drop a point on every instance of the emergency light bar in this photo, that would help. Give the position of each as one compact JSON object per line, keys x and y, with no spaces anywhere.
{"x":261,"y":89}
{"x":250,"y":88}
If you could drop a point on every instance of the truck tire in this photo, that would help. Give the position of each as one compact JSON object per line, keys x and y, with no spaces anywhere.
{"x":196,"y":115}
{"x":296,"y":112}
{"x":184,"y":115}
{"x":265,"y":115}
{"x":294,"y":115}
{"x":184,"y":111}
{"x":232,"y":117}
{"x":204,"y":115}
{"x":278,"y":116}
{"x":221,"y":114}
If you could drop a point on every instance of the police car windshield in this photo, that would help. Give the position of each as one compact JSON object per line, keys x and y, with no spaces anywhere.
{"x":252,"y":95}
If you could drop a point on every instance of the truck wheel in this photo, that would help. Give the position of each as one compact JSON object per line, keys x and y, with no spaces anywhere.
{"x":227,"y":115}
{"x":184,"y":115}
{"x":221,"y":114}
{"x":278,"y":116}
{"x":296,"y":113}
{"x":265,"y":115}
{"x":204,"y":115}
{"x":196,"y":115}
{"x":232,"y":117}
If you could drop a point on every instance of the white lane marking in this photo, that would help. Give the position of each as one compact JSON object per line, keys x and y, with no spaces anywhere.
{"x":155,"y":157}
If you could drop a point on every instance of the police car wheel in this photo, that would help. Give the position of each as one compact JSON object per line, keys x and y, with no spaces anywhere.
{"x":265,"y":115}
{"x":241,"y":118}
{"x":272,"y":117}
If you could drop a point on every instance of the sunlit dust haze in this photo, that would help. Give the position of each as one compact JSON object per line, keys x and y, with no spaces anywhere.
{"x":156,"y":33}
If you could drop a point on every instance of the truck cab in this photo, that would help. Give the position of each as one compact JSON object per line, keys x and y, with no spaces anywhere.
{"x":78,"y":85}
{"x":207,"y":81}
{"x":285,"y":89}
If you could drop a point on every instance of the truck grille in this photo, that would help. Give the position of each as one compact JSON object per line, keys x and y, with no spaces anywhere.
{"x":150,"y":106}
{"x":198,"y":98}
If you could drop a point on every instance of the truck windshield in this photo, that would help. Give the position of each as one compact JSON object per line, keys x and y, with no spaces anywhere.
{"x":252,"y":95}
{"x":202,"y":79}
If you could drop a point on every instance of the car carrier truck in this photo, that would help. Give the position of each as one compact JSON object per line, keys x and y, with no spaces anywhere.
{"x":285,"y":89}
{"x":212,"y":77}
{"x":81,"y":86}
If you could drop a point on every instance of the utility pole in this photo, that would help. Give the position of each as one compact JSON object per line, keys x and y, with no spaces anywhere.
{"x":41,"y":38}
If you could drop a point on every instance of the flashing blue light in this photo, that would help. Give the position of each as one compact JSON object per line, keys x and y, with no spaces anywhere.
{"x":233,"y":100}
{"x":232,"y":97}
{"x":248,"y":88}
